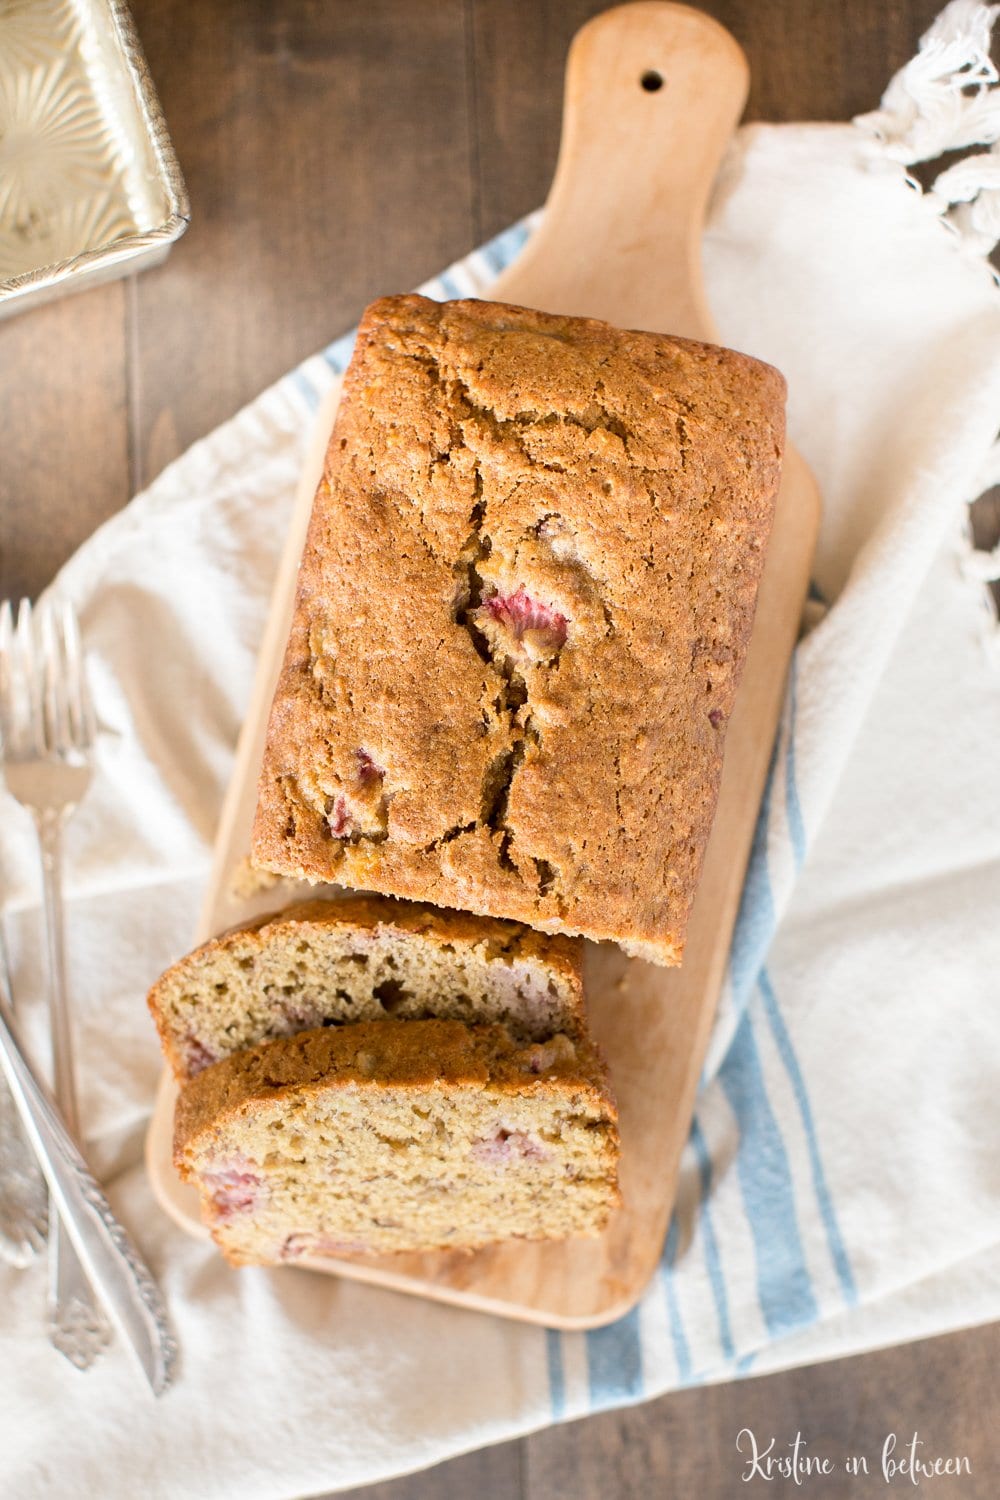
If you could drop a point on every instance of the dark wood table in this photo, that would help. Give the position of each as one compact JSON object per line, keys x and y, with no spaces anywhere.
{"x":334,"y":152}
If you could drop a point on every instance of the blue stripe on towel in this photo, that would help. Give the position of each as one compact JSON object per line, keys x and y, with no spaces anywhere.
{"x":338,"y":354}
{"x":784,"y":1287}
{"x":762,"y":1162}
{"x":505,"y":246}
{"x":783,"y":1041}
{"x":300,"y":380}
{"x":492,"y":256}
{"x":449,"y":285}
{"x":678,"y":1338}
{"x":497,"y":253}
{"x":755,"y":918}
{"x":557,"y":1376}
{"x":713,"y":1261}
{"x":614,"y":1362}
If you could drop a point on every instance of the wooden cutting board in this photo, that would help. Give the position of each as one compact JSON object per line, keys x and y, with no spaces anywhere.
{"x":653,"y":93}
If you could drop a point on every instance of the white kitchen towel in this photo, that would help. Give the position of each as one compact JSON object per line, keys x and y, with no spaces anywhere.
{"x":841,"y":1186}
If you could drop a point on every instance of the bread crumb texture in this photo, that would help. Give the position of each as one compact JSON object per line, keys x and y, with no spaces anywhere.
{"x":522,"y":613}
{"x":328,"y":963}
{"x":395,"y":1136}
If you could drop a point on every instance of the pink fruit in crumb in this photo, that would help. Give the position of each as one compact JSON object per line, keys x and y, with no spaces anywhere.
{"x":234,"y":1189}
{"x":715,"y":717}
{"x":302,"y":1014}
{"x":197,"y":1055}
{"x":506,"y":1146}
{"x":338,"y":818}
{"x":522,"y":616}
{"x":325,"y":1246}
{"x":369,"y":771}
{"x":544,"y":1055}
{"x":297,"y":1245}
{"x":294,"y":1246}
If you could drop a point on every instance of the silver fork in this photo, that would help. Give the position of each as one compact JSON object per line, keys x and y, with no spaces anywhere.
{"x":24,"y":1205}
{"x":47,"y":735}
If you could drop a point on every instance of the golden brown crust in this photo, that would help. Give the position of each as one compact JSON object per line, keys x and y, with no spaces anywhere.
{"x":459,"y":928}
{"x":373,"y":1054}
{"x":522,"y":614}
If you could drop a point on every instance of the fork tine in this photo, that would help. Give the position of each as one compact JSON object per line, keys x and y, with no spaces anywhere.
{"x":30,"y":686}
{"x":65,"y":685}
{"x":81,"y":712}
{"x":6,"y":648}
{"x":55,"y":720}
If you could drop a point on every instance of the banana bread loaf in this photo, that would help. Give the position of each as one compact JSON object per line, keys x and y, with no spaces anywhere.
{"x":522,"y":613}
{"x":398,"y":1135}
{"x":320,"y":963}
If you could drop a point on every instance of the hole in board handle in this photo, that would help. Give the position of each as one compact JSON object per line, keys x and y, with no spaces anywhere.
{"x":652,"y":81}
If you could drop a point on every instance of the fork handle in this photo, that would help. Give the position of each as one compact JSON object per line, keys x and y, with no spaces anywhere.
{"x":77,"y":1326}
{"x":127,"y":1289}
{"x":63,"y":1079}
{"x":24,"y":1211}
{"x":24,"y":1202}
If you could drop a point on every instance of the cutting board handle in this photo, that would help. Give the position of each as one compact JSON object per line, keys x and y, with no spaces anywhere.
{"x":653,"y":93}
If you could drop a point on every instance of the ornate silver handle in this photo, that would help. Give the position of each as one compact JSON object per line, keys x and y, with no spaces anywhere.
{"x":24,"y":1204}
{"x":24,"y":1211}
{"x":106,"y":1253}
{"x":77,"y":1325}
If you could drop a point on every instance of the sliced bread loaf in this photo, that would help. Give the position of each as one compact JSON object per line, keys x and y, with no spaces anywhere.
{"x":389,"y":1136}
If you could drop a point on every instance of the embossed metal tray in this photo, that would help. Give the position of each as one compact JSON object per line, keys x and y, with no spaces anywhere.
{"x":90,"y":187}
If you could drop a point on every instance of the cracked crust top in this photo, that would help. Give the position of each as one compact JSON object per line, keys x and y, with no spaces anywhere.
{"x":522,"y":613}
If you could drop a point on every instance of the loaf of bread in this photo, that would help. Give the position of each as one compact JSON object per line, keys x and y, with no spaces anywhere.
{"x":322,"y":963}
{"x":398,"y":1135}
{"x":522,"y":613}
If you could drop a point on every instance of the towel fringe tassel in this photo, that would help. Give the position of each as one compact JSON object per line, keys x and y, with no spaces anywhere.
{"x":980,"y":565}
{"x":947,"y":99}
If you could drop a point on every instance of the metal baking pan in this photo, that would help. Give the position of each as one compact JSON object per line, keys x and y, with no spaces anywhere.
{"x":89,"y":183}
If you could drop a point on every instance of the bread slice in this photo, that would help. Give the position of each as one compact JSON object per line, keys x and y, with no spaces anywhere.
{"x":393,"y":1136}
{"x":323,"y":963}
